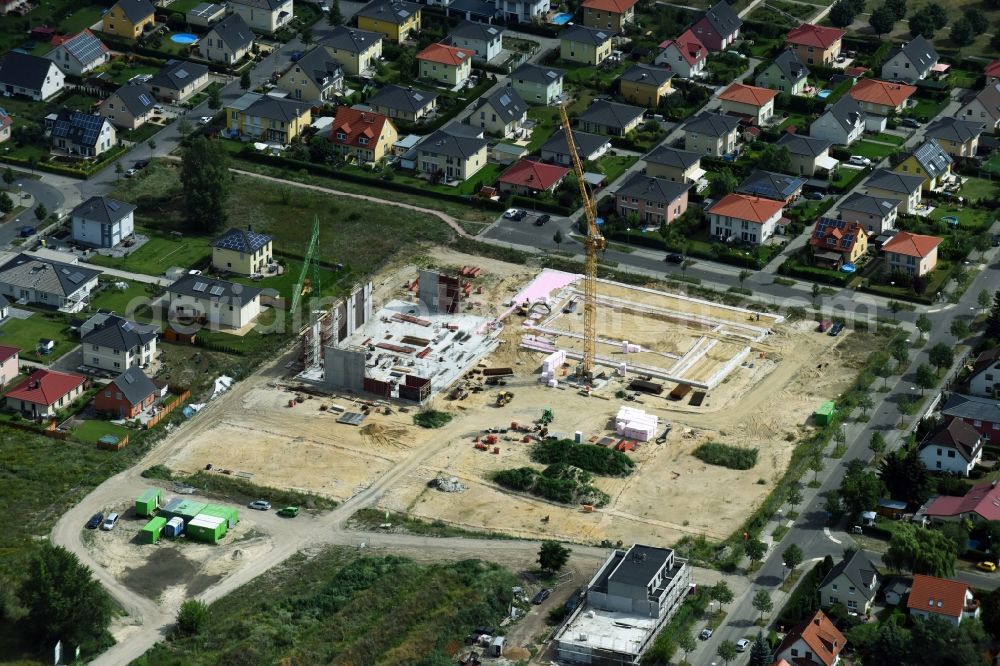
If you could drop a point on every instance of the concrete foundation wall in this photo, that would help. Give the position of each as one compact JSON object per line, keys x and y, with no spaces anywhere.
{"x":344,"y":367}
{"x":428,"y":290}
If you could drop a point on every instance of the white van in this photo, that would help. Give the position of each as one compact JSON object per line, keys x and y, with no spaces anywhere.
{"x":109,"y":522}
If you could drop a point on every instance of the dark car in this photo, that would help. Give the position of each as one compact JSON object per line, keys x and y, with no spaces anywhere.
{"x":814,"y":196}
{"x":912,"y":123}
{"x":141,"y":164}
{"x":25,"y":232}
{"x":296,"y":56}
{"x":674,"y":258}
{"x":996,"y":240}
{"x":542,"y":595}
{"x":837,"y":328}
{"x":95,"y":521}
{"x":542,"y":219}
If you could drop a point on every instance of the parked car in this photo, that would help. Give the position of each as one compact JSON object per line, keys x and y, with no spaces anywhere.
{"x":157,"y":108}
{"x":141,"y":164}
{"x":996,"y":240}
{"x":824,"y":326}
{"x":542,"y":595}
{"x":515,"y":214}
{"x":109,"y":522}
{"x":987,"y":566}
{"x":836,"y":329}
{"x":674,"y":258}
{"x":705,"y":634}
{"x":289,"y":511}
{"x":859,"y":160}
{"x":912,"y":123}
{"x":131,"y":172}
{"x":205,"y":120}
{"x":95,"y":521}
{"x":542,"y":219}
{"x":26,"y":232}
{"x":814,"y":196}
{"x":743,"y":645}
{"x":260,"y":505}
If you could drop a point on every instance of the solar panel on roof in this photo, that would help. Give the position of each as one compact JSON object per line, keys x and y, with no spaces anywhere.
{"x":144,"y":98}
{"x":504,"y":100}
{"x":113,"y":205}
{"x":217,"y":291}
{"x":418,"y":97}
{"x":551,"y":74}
{"x":181,"y":74}
{"x":199,"y":286}
{"x":128,"y":378}
{"x":85,"y":48}
{"x":76,"y":278}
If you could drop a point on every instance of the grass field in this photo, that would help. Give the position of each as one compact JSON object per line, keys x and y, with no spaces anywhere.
{"x":869,"y":149}
{"x":975,"y":189}
{"x":91,"y":431}
{"x":119,"y":301}
{"x":25,"y":334}
{"x":82,"y":18}
{"x":160,"y":253}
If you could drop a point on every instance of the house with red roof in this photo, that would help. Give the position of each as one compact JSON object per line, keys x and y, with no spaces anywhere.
{"x":745,"y":218}
{"x":755,"y":104}
{"x":881,"y":97}
{"x":911,"y":254}
{"x":528,"y":177}
{"x":992,"y":72}
{"x":815,"y":642}
{"x":686,"y":55}
{"x":365,"y":135}
{"x":9,"y":364}
{"x":981,"y":503}
{"x":445,"y":64}
{"x":837,"y":242}
{"x":44,"y":393}
{"x":815,"y":44}
{"x":610,"y":14}
{"x":949,"y":600}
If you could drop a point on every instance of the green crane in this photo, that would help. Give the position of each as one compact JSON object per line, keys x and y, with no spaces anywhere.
{"x":308,"y":261}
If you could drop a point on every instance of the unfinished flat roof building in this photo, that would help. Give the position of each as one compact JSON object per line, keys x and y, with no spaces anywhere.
{"x":632,"y":596}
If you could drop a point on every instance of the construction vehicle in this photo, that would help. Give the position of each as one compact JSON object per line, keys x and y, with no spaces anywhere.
{"x":547,"y":417}
{"x":593,"y":243}
{"x":504,"y":397}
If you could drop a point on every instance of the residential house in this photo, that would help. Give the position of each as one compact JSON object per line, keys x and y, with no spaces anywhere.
{"x":483,"y":39}
{"x":178,"y":80}
{"x":837,"y":242}
{"x":752,"y":220}
{"x":949,"y":600}
{"x":711,"y":134}
{"x":445,"y":64}
{"x":777,"y":186}
{"x":895,"y":591}
{"x":588,"y":46}
{"x":881,"y":97}
{"x":786,"y":73}
{"x":316,"y":77}
{"x":129,"y":18}
{"x":206,"y":14}
{"x":815,"y":44}
{"x":356,"y":51}
{"x":9,"y":365}
{"x":117,"y":344}
{"x":911,"y":61}
{"x":45,"y":392}
{"x":959,"y":138}
{"x":265,"y":118}
{"x":102,"y":222}
{"x":930,"y":162}
{"x":519,"y":11}
{"x":126,"y":396}
{"x":750,"y":102}
{"x":396,"y":19}
{"x":501,"y":113}
{"x":611,"y":15}
{"x":537,"y":84}
{"x":528,"y":177}
{"x":718,"y":28}
{"x":590,"y":147}
{"x":656,"y":201}
{"x":266,"y":16}
{"x":807,"y":154}
{"x":955,"y":447}
{"x":680,"y":166}
{"x":685,"y":55}
{"x":451,"y":157}
{"x":886,"y":184}
{"x":79,"y":54}
{"x":229,"y":41}
{"x":409,"y":104}
{"x":130,"y":107}
{"x":842,"y":123}
{"x":612,"y":118}
{"x":6,"y":125}
{"x":366,"y":136}
{"x":815,"y":642}
{"x":911,"y":254}
{"x":876,"y":214}
{"x":30,"y":76}
{"x":985,"y":377}
{"x":645,"y":85}
{"x":980,"y":504}
{"x":984,"y":107}
{"x":242,"y":251}
{"x":81,"y":134}
{"x":992,"y":72}
{"x":217,"y":302}
{"x":853,"y":583}
{"x":46,"y":282}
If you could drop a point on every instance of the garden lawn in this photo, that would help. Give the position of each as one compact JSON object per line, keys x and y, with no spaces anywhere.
{"x":92,"y":431}
{"x":800,"y":121}
{"x":925,"y":109}
{"x":969,"y":218}
{"x":614,"y":166}
{"x":975,"y":189}
{"x":889,"y":138}
{"x":183,"y":6}
{"x":122,"y":75}
{"x":25,"y":334}
{"x":159,"y":253}
{"x":122,"y":302}
{"x":871,"y":150}
{"x":82,"y":18}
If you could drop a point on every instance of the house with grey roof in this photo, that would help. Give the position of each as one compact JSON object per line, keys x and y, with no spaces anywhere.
{"x":266,"y":118}
{"x":266,"y":16}
{"x":30,"y":76}
{"x":770,"y":185}
{"x":655,"y":201}
{"x":205,"y":14}
{"x":80,"y":53}
{"x":396,"y":19}
{"x":589,"y":46}
{"x":451,"y":157}
{"x":537,"y":84}
{"x":646,"y":85}
{"x":875,"y":214}
{"x":315,"y":77}
{"x":115,"y":344}
{"x":841,"y":124}
{"x":102,"y":222}
{"x":356,"y":50}
{"x":30,"y":279}
{"x":404,"y":103}
{"x":853,"y":583}
{"x":680,"y":166}
{"x":199,"y":298}
{"x":229,"y":41}
{"x":127,"y":395}
{"x":242,"y":251}
{"x":589,"y":147}
{"x":178,"y":80}
{"x":954,"y":447}
{"x":718,"y":27}
{"x":885,"y":183}
{"x":980,"y":412}
{"x":523,"y":11}
{"x":808,"y":154}
{"x":930,"y":162}
{"x":611,"y":118}
{"x":984,"y":107}
{"x":500,"y":113}
{"x":786,"y":73}
{"x":959,"y":138}
{"x":83,"y":134}
{"x":482,"y":11}
{"x":484,"y":39}
{"x":711,"y":134}
{"x":911,"y":61}
{"x":129,"y":107}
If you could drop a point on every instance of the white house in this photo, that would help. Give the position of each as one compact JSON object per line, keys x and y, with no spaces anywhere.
{"x":484,"y":39}
{"x":949,"y":600}
{"x":216,"y":302}
{"x":746,"y":218}
{"x":46,"y":282}
{"x":815,"y":642}
{"x":841,"y":124}
{"x":911,"y":62}
{"x":685,"y":55}
{"x":852,"y":583}
{"x":116,"y":344}
{"x":30,"y":76}
{"x":956,"y":447}
{"x":266,"y":16}
{"x":537,"y":84}
{"x":985,"y":378}
{"x":102,"y":221}
{"x":83,"y":134}
{"x":523,"y":11}
{"x":80,"y":53}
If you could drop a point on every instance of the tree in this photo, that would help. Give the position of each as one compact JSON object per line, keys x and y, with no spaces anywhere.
{"x":920,"y":551}
{"x":959,"y":329}
{"x":62,"y":599}
{"x":941,"y":356}
{"x":792,"y":557}
{"x":557,"y":238}
{"x":191,"y":617}
{"x":754,"y":549}
{"x":860,"y":488}
{"x":687,"y":643}
{"x":977,"y":19}
{"x":921,"y":24}
{"x":6,"y":203}
{"x":119,"y":170}
{"x":552,"y":556}
{"x":720,"y":592}
{"x":884,"y":371}
{"x":894,"y":308}
{"x":774,"y":158}
{"x":981,"y":242}
{"x":924,"y":324}
{"x":866,"y":403}
{"x":897,"y":7}
{"x":900,"y":354}
{"x":206,"y":181}
{"x":334,"y":17}
{"x":937,"y":641}
{"x":245,"y":81}
{"x":877,"y":444}
{"x":962,"y":32}
{"x":937,"y":13}
{"x":815,"y":292}
{"x":40,"y":212}
{"x":882,"y":19}
{"x":762,"y":602}
{"x":991,"y":612}
{"x":905,"y":476}
{"x":842,"y":14}
{"x":152,"y":146}
{"x":184,"y":126}
{"x":9,"y":177}
{"x":985,"y":300}
{"x":744,"y":274}
{"x":214,"y":98}
{"x":760,"y":652}
{"x":816,"y":464}
{"x":306,"y":34}
{"x":794,"y":497}
{"x":926,"y":377}
{"x":726,"y":651}
{"x":904,"y":405}
{"x":721,"y":183}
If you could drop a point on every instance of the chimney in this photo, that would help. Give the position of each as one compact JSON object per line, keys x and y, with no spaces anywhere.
{"x":249,"y":227}
{"x":816,"y":620}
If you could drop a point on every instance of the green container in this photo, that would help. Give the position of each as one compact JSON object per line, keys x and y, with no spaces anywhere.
{"x":205,"y":528}
{"x":148,"y":502}
{"x":824,"y":415}
{"x":151,"y":531}
{"x":184,"y":508}
{"x":229,"y":514}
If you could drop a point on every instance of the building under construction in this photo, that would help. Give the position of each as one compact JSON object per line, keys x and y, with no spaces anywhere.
{"x":331,"y":326}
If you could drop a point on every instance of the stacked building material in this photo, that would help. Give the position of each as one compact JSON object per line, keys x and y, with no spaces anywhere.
{"x":551,"y":365}
{"x":636,"y":424}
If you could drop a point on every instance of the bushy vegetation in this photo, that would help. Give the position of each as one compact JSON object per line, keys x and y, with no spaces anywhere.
{"x":589,"y":457}
{"x":431,"y":418}
{"x":804,"y":600}
{"x":558,"y":483}
{"x":240,"y":490}
{"x":724,"y":455}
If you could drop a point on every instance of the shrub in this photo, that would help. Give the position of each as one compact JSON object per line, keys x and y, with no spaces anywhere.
{"x":724,"y":455}
{"x":191,"y":617}
{"x":431,"y":419}
{"x":589,"y":457}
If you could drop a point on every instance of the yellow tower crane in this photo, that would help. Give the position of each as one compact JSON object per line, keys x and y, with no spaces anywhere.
{"x":593,"y":243}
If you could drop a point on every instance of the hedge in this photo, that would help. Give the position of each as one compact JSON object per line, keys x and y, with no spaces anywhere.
{"x":724,"y":455}
{"x":518,"y":200}
{"x":795,"y":268}
{"x":804,"y":600}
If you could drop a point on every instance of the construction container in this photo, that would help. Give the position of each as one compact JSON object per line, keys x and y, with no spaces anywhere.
{"x":824,"y":414}
{"x":151,"y":531}
{"x":149,"y":502}
{"x":578,"y":437}
{"x":208,"y":529}
{"x":184,"y":508}
{"x":229,"y":514}
{"x":174,"y":527}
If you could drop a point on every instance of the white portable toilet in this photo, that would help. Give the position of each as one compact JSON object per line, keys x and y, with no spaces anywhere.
{"x":496,"y":646}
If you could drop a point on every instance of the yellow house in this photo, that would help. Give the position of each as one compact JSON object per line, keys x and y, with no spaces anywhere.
{"x":367,"y":136}
{"x":128,"y":18}
{"x":930,"y":162}
{"x":395,"y":19}
{"x":836,"y":242}
{"x":959,"y":138}
{"x":445,"y":64}
{"x":609,"y":14}
{"x":589,"y":46}
{"x":264,"y":118}
{"x":242,"y":251}
{"x":645,"y":85}
{"x":356,"y":50}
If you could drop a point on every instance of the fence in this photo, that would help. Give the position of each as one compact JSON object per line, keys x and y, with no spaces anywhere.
{"x":165,"y":410}
{"x":117,"y":446}
{"x":48,"y":430}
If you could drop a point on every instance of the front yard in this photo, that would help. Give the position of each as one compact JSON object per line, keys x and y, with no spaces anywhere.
{"x":871,"y":150}
{"x":126,"y":301}
{"x":25,"y":334}
{"x":159,"y":253}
